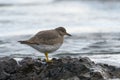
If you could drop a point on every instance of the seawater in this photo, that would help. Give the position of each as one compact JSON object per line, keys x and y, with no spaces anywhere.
{"x":94,"y":25}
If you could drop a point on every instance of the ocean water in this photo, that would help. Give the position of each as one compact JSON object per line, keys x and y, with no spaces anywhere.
{"x":94,"y":25}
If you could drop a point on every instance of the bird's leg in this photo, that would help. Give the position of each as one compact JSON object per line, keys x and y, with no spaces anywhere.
{"x":46,"y":55}
{"x":47,"y":59}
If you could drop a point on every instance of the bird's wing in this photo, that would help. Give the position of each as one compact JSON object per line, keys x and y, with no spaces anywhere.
{"x":45,"y":37}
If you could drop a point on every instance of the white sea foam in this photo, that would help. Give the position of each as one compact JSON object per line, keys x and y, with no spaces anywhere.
{"x":110,"y":59}
{"x":24,"y":1}
{"x":76,"y":16}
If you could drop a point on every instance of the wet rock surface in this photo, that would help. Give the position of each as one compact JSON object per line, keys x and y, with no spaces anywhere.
{"x":66,"y":68}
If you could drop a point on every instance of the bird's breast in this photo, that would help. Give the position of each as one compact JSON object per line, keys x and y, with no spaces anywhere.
{"x":46,"y":48}
{"x":58,"y":40}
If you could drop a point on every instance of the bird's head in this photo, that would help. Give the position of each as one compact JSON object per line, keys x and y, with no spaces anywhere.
{"x":62,"y":31}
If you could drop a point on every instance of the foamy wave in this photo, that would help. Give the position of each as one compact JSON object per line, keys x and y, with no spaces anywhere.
{"x":93,"y":29}
{"x":24,"y":1}
{"x":69,"y":29}
{"x":107,"y":59}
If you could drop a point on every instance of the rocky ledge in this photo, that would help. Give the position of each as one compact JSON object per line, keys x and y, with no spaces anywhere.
{"x":60,"y":69}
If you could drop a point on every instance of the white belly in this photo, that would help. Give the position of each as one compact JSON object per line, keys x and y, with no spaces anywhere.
{"x":46,"y":48}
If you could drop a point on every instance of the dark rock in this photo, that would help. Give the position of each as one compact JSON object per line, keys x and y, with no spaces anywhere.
{"x":7,"y":67}
{"x":65,"y":68}
{"x":4,"y":75}
{"x":96,"y":76}
{"x":111,"y":70}
{"x":8,"y":64}
{"x":72,"y":78}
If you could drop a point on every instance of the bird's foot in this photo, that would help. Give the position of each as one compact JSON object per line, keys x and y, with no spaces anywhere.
{"x":49,"y":61}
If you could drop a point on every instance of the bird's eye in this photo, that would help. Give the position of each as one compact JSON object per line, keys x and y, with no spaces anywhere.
{"x":63,"y":30}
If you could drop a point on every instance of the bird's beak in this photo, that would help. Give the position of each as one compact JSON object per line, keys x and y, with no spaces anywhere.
{"x":68,"y":34}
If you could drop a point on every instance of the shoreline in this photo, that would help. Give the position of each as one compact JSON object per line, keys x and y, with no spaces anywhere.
{"x":65,"y":68}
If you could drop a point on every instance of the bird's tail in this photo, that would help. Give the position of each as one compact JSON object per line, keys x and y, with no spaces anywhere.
{"x":23,"y":42}
{"x":27,"y":42}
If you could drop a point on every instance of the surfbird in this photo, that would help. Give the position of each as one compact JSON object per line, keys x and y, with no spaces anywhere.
{"x":47,"y":41}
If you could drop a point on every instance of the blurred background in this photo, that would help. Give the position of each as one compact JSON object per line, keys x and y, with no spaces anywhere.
{"x":94,"y":25}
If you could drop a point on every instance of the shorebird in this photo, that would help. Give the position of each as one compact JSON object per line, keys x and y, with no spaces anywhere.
{"x":47,"y":41}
